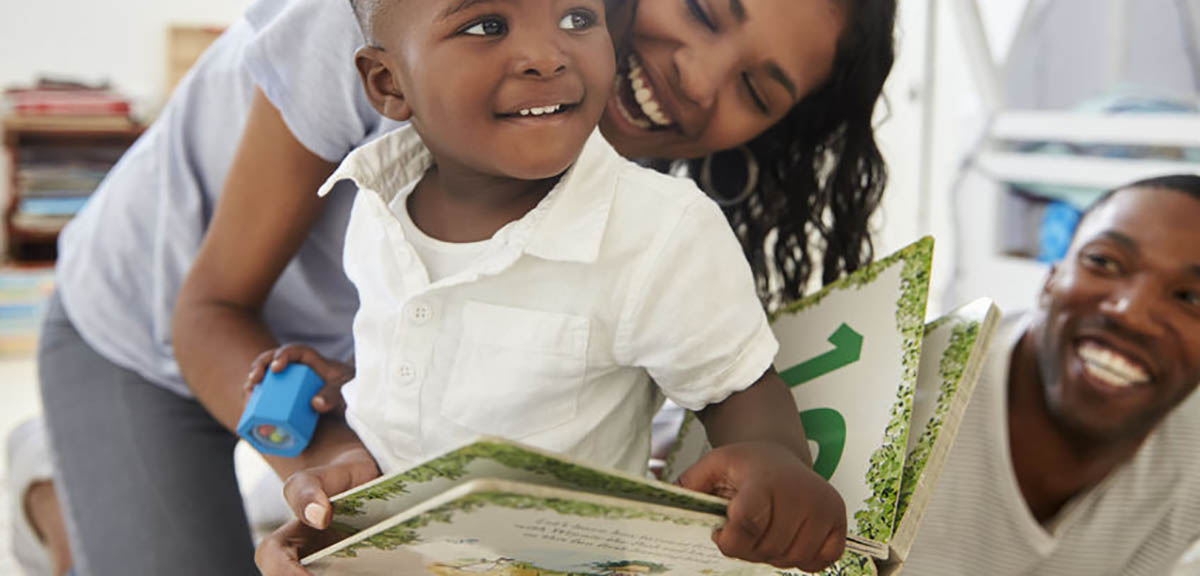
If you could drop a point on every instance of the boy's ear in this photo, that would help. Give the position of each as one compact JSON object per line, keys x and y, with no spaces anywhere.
{"x":381,"y":84}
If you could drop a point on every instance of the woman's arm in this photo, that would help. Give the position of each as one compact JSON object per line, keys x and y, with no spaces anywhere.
{"x":265,"y":211}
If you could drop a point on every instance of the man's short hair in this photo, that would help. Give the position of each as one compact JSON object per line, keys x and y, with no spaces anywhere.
{"x":1187,"y":183}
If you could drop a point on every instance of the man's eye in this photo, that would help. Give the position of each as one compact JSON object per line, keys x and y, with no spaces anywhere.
{"x":487,"y":27}
{"x":1191,"y":298}
{"x":577,"y":21}
{"x":1102,"y":262}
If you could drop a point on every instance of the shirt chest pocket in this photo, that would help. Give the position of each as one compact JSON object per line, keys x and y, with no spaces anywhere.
{"x":517,"y":372}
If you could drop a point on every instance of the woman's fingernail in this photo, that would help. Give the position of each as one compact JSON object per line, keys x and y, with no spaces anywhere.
{"x":314,"y":513}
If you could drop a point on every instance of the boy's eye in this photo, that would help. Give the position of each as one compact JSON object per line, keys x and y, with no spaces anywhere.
{"x":577,"y":21}
{"x":487,"y":27}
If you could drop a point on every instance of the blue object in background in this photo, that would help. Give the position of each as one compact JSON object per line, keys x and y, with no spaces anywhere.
{"x":279,"y":419}
{"x":1054,"y":234}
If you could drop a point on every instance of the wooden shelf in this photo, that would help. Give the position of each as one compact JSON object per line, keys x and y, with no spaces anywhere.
{"x":96,"y":142}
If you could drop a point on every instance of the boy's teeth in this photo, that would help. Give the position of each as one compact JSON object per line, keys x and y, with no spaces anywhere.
{"x":643,"y":92}
{"x":1110,"y":366}
{"x":541,"y":111}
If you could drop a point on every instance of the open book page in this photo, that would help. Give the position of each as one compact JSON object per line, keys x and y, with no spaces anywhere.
{"x":496,"y":458}
{"x":851,"y":354}
{"x":952,"y":356}
{"x":502,"y":528}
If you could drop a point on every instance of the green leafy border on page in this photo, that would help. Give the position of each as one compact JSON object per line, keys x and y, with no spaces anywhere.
{"x":453,"y":466}
{"x":950,"y":370}
{"x":877,"y":520}
{"x":406,"y":533}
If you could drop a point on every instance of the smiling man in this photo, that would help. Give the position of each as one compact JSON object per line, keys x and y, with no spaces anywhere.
{"x":1080,"y":451}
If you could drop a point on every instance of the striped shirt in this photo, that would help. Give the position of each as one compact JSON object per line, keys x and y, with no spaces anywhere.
{"x":1138,"y":521}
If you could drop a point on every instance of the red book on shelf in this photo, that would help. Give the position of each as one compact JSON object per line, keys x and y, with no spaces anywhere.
{"x":67,"y":103}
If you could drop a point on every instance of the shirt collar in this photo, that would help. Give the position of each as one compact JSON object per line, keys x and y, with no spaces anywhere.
{"x":567,"y":226}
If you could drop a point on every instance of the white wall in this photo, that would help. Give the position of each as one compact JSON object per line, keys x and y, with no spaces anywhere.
{"x":957,"y":118}
{"x":122,"y":41}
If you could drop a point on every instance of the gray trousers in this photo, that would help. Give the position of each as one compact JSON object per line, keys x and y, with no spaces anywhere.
{"x":145,"y":476}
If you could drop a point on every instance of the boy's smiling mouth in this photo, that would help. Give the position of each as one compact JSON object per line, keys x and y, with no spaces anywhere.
{"x":539,"y":111}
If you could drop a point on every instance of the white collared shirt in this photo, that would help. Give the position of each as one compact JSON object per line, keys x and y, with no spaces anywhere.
{"x":552,"y":336}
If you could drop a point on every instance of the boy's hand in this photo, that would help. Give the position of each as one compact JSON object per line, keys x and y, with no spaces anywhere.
{"x":334,"y":374}
{"x":307,"y":494}
{"x":780,"y":511}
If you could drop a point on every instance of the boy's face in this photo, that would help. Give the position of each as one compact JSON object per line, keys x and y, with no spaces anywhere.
{"x":509,"y":88}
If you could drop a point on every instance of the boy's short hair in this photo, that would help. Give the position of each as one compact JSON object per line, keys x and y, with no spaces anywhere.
{"x":364,"y":11}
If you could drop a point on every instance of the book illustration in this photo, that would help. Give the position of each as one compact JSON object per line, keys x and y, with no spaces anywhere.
{"x":861,"y":331}
{"x":952,"y":356}
{"x":512,"y":528}
{"x":382,"y":498}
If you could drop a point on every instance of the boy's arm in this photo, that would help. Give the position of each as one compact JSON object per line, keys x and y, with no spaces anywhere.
{"x":764,"y":412}
{"x":780,"y":511}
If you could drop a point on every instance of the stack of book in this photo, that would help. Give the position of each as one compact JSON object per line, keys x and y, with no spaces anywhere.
{"x":53,"y":183}
{"x":23,"y":296}
{"x":62,"y":138}
{"x":68,"y":105}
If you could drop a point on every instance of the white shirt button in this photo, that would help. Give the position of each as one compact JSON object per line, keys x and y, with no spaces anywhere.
{"x":406,"y":372}
{"x":420,"y":313}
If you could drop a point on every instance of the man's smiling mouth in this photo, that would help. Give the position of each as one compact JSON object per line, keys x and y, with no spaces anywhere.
{"x":1110,"y":366}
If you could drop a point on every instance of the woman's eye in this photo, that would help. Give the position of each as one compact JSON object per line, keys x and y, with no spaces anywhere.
{"x":487,"y":27}
{"x":577,"y":21}
{"x":759,"y":101}
{"x":699,"y":13}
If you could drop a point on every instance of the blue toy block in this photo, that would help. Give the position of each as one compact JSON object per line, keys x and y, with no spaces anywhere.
{"x":279,"y":419}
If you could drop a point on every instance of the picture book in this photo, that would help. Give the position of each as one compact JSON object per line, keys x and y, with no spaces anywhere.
{"x":881,"y":395}
{"x":862,"y":365}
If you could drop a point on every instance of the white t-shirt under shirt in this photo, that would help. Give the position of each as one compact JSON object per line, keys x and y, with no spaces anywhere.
{"x":441,"y":259}
{"x":1137,"y":522}
{"x":124,"y":257}
{"x":552,"y":334}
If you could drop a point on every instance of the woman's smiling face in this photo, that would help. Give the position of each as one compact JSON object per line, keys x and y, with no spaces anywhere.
{"x":697,"y":76}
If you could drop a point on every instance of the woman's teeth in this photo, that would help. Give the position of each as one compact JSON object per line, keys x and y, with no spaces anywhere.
{"x":1111,"y":367}
{"x":542,"y":111}
{"x":643,"y":92}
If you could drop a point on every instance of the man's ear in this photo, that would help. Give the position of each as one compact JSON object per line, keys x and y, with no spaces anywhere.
{"x":381,"y":83}
{"x":1048,"y":286}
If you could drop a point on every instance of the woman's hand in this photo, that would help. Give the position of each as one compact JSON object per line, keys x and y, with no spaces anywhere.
{"x":334,"y":374}
{"x":266,"y":210}
{"x":307,"y":494}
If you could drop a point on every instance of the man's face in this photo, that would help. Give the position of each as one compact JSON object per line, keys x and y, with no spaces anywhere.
{"x":1119,"y":342}
{"x":508,"y":88}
